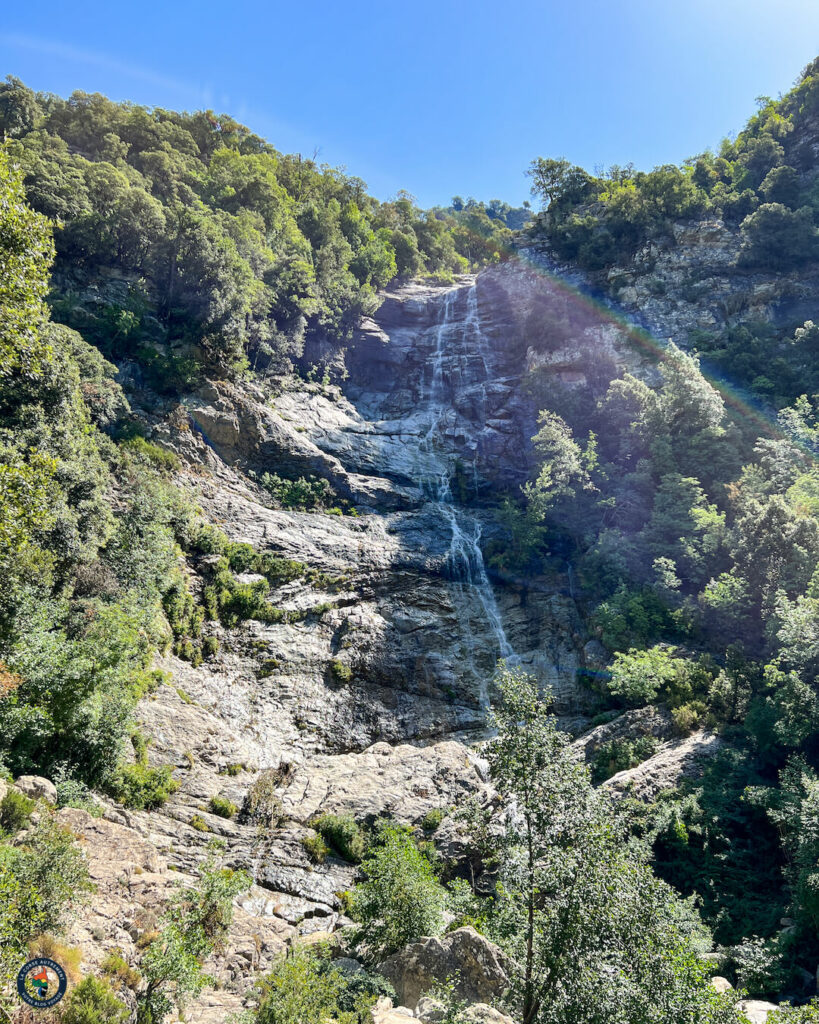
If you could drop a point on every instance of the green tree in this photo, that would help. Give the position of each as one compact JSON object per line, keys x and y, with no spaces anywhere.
{"x":401,"y":899}
{"x":596,"y":936}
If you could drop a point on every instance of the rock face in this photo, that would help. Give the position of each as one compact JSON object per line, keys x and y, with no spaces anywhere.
{"x":362,"y":698}
{"x":675,"y":760}
{"x":479,"y":968}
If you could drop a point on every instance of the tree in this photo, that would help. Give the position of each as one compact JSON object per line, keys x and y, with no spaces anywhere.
{"x":401,"y":899}
{"x":779,"y":238}
{"x":196,"y":923}
{"x":26,"y":251}
{"x":638,"y":676}
{"x":563,"y":467}
{"x":558,"y":183}
{"x":597,"y":938}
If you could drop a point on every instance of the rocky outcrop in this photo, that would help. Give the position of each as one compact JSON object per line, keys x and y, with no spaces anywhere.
{"x":756,"y":1010}
{"x":674,"y":761}
{"x":479,"y":969}
{"x":365,"y":696}
{"x":37,"y":788}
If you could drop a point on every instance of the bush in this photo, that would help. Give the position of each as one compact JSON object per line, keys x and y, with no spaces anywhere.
{"x":401,"y":900}
{"x":343,"y":834}
{"x":262,"y":806}
{"x":619,"y":755}
{"x":151,"y":453}
{"x":303,"y":988}
{"x":15,"y":810}
{"x":51,"y":863}
{"x":93,"y":1002}
{"x":688,"y":717}
{"x":779,"y":238}
{"x":199,"y":823}
{"x":142,"y":788}
{"x":117,"y":967}
{"x":316,"y":849}
{"x":223,"y":807}
{"x":340,"y":671}
{"x":432,"y":819}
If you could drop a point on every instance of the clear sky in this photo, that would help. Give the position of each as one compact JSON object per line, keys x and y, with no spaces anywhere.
{"x":436,"y":96}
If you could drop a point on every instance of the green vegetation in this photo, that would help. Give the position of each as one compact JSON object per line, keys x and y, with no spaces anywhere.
{"x":194,"y":925}
{"x":223,"y":807}
{"x":43,"y":880}
{"x":343,"y":835}
{"x":93,"y":1002}
{"x":304,"y":988}
{"x":755,"y":180}
{"x":229,"y":251}
{"x":401,"y":900}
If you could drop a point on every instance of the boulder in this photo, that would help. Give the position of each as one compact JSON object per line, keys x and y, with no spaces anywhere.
{"x":385,"y":1013}
{"x":480,"y":967}
{"x":756,"y":1010}
{"x":430,"y":1010}
{"x":480,"y":1013}
{"x":35,"y":787}
{"x":721,"y":984}
{"x":3,"y":788}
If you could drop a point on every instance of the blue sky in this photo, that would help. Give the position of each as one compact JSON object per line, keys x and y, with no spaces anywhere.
{"x":436,"y":97}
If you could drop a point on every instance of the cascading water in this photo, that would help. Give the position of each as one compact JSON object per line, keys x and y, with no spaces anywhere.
{"x":453,"y":356}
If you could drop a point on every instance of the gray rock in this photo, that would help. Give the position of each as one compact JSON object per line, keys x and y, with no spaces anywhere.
{"x":480,"y":1013}
{"x":480,"y":967}
{"x":756,"y":1010}
{"x":430,"y":1010}
{"x":675,"y":760}
{"x":37,"y":788}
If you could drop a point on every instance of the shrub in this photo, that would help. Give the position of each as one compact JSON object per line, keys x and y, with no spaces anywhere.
{"x":15,"y":810}
{"x":146,"y":451}
{"x":93,"y":1002}
{"x":618,"y":755}
{"x":115,"y":966}
{"x":688,"y":717}
{"x":432,"y":819}
{"x":340,"y":671}
{"x":52,"y":864}
{"x":143,"y":788}
{"x":343,"y":834}
{"x":776,"y":237}
{"x":210,"y":646}
{"x":199,"y":823}
{"x":223,"y":807}
{"x":261,"y":805}
{"x":316,"y":849}
{"x":401,"y":900}
{"x":304,"y":988}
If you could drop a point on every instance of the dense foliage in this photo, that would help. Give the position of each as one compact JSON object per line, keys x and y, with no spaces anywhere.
{"x":188,"y":242}
{"x":763,"y":181}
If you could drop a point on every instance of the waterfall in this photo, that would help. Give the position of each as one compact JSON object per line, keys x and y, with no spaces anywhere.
{"x":465,"y":561}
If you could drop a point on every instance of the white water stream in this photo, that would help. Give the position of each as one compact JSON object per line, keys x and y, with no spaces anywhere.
{"x":459,"y":344}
